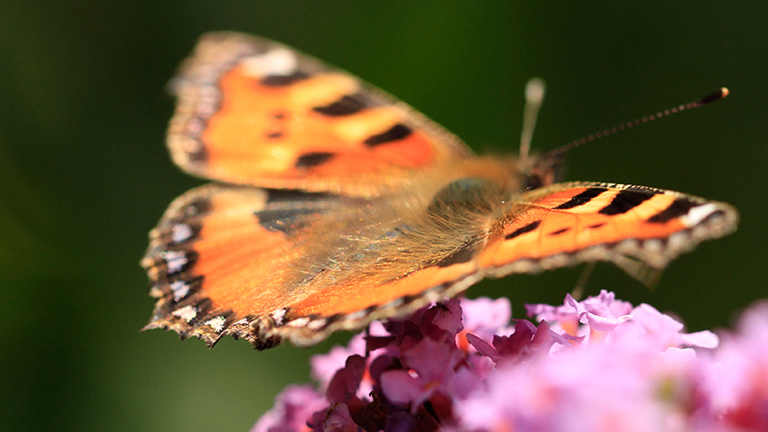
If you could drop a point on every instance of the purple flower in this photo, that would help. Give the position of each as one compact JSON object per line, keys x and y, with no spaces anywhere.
{"x":665,"y":331}
{"x":484,"y":318}
{"x":429,"y":357}
{"x":324,"y":366}
{"x":526,"y":342}
{"x":603,"y":388}
{"x":293,"y":408}
{"x":735,"y":377}
{"x":601,"y":313}
{"x":430,"y":368}
{"x":595,"y":365}
{"x":604,"y":317}
{"x":338,"y":419}
{"x":344,"y":384}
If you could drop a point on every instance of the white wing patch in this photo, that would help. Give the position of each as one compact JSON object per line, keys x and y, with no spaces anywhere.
{"x":279,"y":62}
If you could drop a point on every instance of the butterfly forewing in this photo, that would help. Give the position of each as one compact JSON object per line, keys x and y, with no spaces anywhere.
{"x":252,"y":111}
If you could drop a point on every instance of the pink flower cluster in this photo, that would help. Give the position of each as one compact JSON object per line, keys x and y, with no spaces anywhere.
{"x":598,"y":365}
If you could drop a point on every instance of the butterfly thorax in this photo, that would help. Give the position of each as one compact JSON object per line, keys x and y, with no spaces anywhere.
{"x":439,"y":219}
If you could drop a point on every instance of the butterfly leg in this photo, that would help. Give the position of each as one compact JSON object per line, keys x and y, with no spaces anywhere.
{"x":586,"y":273}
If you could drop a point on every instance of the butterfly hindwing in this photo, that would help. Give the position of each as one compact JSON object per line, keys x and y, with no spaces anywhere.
{"x":252,"y":111}
{"x":271,"y":265}
{"x":217,"y":258}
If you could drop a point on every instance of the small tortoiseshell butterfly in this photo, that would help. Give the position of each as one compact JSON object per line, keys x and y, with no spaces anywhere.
{"x":337,"y":205}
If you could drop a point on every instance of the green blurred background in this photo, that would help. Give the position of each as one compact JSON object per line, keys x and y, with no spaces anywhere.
{"x":84,"y":174}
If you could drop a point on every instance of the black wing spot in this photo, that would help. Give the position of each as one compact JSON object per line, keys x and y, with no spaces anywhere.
{"x":285,"y":221}
{"x":293,"y":196}
{"x":309,"y":160}
{"x":625,"y":201}
{"x":679,"y":207}
{"x":347,"y":105}
{"x":560,"y":231}
{"x":396,"y":133}
{"x":532,"y":181}
{"x":520,"y":231}
{"x":283,"y":80}
{"x":597,"y":225}
{"x":290,"y":210}
{"x":194,"y":208}
{"x":581,"y":199}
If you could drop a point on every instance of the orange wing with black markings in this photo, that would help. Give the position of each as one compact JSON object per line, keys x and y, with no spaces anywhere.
{"x":251,"y":263}
{"x":252,"y":111}
{"x":636,"y":227}
{"x":270,"y":265}
{"x":221,"y":255}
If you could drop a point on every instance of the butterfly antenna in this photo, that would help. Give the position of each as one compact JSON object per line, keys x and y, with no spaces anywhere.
{"x":712,"y":97}
{"x":534,"y":96}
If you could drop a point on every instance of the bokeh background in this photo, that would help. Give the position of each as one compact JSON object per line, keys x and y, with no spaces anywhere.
{"x":84,"y":173}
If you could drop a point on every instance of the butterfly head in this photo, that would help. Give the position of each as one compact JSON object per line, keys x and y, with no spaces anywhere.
{"x":540,"y":170}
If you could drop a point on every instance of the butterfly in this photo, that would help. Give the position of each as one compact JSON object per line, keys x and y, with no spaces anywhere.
{"x":335,"y":205}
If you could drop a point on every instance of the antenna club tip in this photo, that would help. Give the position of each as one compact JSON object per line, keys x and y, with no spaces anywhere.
{"x":720,"y":94}
{"x":534,"y":90}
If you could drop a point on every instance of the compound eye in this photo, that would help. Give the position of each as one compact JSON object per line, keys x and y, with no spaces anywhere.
{"x":532,"y":181}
